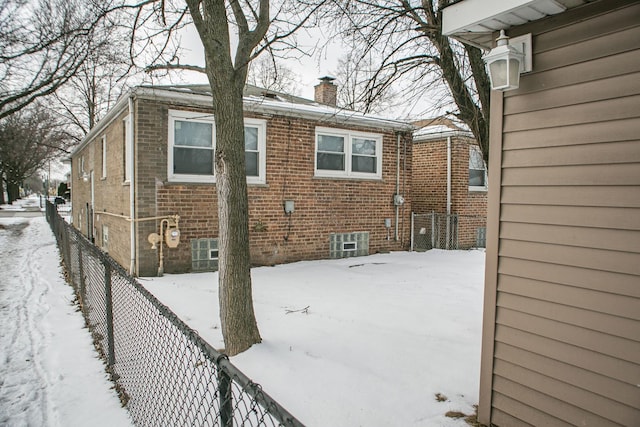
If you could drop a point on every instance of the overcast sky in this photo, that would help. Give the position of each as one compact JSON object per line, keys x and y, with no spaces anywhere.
{"x":308,"y":68}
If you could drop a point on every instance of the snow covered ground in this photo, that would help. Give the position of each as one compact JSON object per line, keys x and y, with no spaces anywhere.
{"x":366,"y":341}
{"x":50,"y":374}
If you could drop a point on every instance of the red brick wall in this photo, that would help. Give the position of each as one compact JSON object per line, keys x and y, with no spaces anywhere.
{"x":429,"y":185}
{"x":322,"y":205}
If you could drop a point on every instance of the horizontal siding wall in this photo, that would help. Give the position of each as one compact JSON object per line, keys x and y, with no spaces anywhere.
{"x":567,"y":334}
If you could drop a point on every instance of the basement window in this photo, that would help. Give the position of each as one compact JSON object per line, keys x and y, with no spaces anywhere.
{"x":344,"y":245}
{"x":349,"y":246}
{"x":204,"y":254}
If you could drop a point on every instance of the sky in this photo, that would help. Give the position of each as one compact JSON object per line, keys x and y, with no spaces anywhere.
{"x":308,"y":68}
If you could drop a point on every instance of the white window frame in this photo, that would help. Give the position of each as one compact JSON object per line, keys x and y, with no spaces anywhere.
{"x":350,"y":248}
{"x":104,"y":157}
{"x":178,"y":115}
{"x":261,"y":125}
{"x":348,"y":136}
{"x":476,"y":149}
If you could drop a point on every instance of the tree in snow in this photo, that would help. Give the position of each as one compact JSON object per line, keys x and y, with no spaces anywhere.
{"x":234,"y":33}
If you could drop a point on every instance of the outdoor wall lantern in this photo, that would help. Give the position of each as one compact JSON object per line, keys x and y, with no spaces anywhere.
{"x":507,"y":60}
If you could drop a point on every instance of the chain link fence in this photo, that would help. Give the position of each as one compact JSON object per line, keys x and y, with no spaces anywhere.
{"x":447,"y":231}
{"x":164,"y":372}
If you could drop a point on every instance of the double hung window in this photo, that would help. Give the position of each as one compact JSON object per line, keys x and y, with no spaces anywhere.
{"x":477,"y":170}
{"x":255,"y":137}
{"x":192,"y":140}
{"x":342,"y":153}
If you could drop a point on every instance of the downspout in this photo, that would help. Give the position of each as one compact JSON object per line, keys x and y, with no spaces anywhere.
{"x":448,"y":192}
{"x":448,"y":175}
{"x":132,"y":247}
{"x":396,"y":201}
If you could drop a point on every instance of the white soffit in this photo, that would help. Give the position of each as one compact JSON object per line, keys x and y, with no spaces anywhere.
{"x":476,"y":20}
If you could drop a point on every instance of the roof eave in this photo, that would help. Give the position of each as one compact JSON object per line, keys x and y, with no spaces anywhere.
{"x":442,"y":135}
{"x":475,"y":21}
{"x":254,"y":105}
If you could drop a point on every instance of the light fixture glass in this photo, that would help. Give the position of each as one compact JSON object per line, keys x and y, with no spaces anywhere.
{"x":503,"y":64}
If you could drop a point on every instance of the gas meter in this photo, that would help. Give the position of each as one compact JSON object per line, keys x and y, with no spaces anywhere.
{"x":172,"y":236}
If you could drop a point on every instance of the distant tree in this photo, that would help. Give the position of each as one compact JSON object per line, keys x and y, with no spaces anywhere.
{"x":405,"y":36}
{"x":28,"y":140}
{"x":266,"y":72}
{"x":42,"y":44}
{"x":98,"y":82}
{"x":353,"y":77}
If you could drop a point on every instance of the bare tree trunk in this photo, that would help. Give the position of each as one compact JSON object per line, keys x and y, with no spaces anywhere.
{"x":239,"y":326}
{"x":13,"y":192}
{"x":1,"y":190}
{"x":227,"y":80}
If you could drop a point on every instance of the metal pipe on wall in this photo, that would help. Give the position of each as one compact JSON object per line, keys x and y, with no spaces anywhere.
{"x":448,"y":234}
{"x":397,"y":183}
{"x":132,"y":243}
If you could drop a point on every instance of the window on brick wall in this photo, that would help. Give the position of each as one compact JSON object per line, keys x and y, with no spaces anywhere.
{"x":477,"y":170}
{"x":341,"y":153}
{"x":104,"y":156}
{"x":192,"y":148}
{"x":255,"y":137}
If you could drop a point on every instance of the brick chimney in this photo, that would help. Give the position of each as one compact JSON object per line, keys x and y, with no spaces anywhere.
{"x":326,"y":92}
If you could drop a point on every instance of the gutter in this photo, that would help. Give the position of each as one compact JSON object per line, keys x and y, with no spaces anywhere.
{"x":132,"y":205}
{"x":397,"y":199}
{"x":251,"y":104}
{"x":448,"y":191}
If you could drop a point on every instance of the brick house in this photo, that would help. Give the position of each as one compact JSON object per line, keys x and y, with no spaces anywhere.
{"x":449,"y":187}
{"x":322,"y":182}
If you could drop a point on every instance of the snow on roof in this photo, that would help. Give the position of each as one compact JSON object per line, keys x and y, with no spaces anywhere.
{"x":257,"y":100}
{"x":268,"y":101}
{"x":428,"y":133}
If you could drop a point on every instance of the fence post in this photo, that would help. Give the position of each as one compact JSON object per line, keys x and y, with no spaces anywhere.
{"x":111,"y":358}
{"x":224,"y":387}
{"x":433,"y":230}
{"x":67,"y":252}
{"x":413,"y":215}
{"x":82,"y":285}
